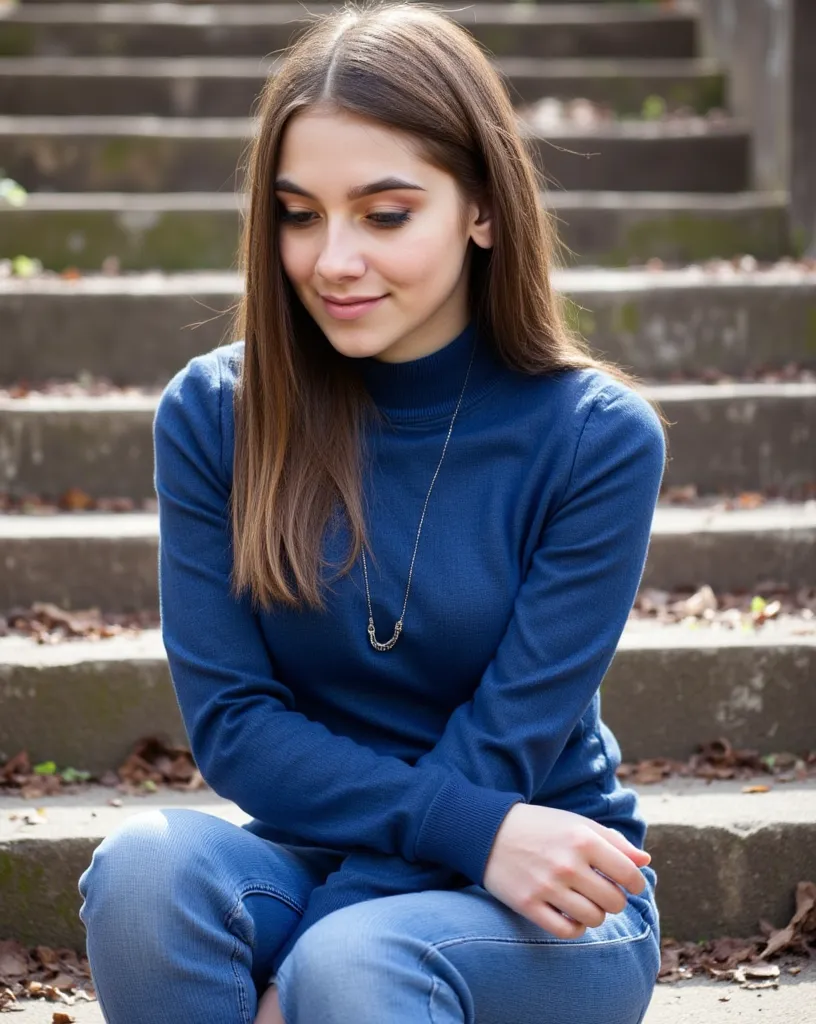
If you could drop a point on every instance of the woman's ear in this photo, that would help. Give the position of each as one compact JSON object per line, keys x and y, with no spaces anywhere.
{"x":481,"y":226}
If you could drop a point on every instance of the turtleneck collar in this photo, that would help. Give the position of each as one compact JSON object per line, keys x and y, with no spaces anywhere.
{"x":424,"y":389}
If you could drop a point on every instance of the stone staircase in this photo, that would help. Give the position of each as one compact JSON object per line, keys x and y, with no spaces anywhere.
{"x":127,"y":123}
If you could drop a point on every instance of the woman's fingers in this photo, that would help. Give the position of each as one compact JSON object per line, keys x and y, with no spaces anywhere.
{"x":549,"y":918}
{"x":607,"y":858}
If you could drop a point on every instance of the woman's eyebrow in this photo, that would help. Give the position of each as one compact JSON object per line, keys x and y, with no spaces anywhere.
{"x":357,"y":192}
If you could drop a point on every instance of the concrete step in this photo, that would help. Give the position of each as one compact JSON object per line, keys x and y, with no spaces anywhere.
{"x":108,"y":560}
{"x":158,"y":30}
{"x":200,"y":231}
{"x":724,"y":438}
{"x":694,"y":999}
{"x":84,"y":703}
{"x":685,"y":1003}
{"x":659,"y":324}
{"x":229,"y":86}
{"x":149,"y":154}
{"x":711,"y":840}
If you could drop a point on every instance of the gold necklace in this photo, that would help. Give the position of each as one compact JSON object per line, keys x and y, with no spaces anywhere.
{"x":372,"y":636}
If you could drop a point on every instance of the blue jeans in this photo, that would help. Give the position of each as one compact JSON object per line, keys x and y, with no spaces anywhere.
{"x":184,"y":912}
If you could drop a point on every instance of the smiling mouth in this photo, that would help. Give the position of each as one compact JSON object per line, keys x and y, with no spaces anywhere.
{"x":350,"y":310}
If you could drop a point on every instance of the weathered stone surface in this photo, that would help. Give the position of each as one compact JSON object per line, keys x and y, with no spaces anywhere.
{"x":139,"y":330}
{"x":615,"y":229}
{"x":110,"y":560}
{"x":520,"y":30}
{"x":769,"y":48}
{"x":185,"y":231}
{"x":134,"y":329}
{"x":690,"y":321}
{"x":712,"y":841}
{"x":723,"y":438}
{"x":108,"y":154}
{"x":671,"y":688}
{"x":741,"y":856}
{"x":85,"y":703}
{"x":732,"y":437}
{"x":228,"y":86}
{"x":693,"y":547}
{"x":82,"y":561}
{"x":104,"y":446}
{"x":196,"y":231}
{"x":646,"y":156}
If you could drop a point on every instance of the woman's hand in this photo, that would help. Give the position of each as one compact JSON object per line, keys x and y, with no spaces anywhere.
{"x":546,"y":860}
{"x":269,"y":1011}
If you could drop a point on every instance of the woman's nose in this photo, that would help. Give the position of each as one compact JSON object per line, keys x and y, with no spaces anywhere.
{"x":339,"y":253}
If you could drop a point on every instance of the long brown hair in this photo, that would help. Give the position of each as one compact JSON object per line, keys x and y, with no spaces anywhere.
{"x":299,"y":411}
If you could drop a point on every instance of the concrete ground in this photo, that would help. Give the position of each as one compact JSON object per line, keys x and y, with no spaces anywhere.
{"x":696,"y":1001}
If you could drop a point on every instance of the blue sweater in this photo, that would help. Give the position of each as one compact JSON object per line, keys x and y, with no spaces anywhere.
{"x":530,"y":558}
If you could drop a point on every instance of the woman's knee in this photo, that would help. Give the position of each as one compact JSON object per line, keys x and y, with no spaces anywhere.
{"x":146,"y":860}
{"x":391,"y":963}
{"x":353,"y":942}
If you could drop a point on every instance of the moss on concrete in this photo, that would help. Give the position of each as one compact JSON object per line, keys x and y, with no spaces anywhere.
{"x":171,"y":240}
{"x":690,"y":237}
{"x":92,"y":727}
{"x":66,"y":907}
{"x":39,"y":902}
{"x":498,"y":39}
{"x":587,"y":325}
{"x":701,"y":94}
{"x":799,"y":241}
{"x":6,"y":870}
{"x":116,"y":154}
{"x":16,"y":40}
{"x":18,"y":877}
{"x":207,"y":239}
{"x":626,"y":318}
{"x":810,"y":331}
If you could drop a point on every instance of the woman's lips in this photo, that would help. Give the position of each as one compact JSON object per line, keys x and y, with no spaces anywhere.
{"x":352,"y":311}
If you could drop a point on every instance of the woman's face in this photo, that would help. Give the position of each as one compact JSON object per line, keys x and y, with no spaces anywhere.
{"x":403,"y":245}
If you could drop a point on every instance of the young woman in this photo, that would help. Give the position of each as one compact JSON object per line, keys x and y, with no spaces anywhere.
{"x":437,"y":832}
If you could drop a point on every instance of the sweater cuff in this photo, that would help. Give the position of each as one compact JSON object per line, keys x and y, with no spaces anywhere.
{"x":461,"y":825}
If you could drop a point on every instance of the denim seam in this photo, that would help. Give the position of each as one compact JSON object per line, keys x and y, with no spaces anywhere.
{"x":252,"y":887}
{"x":435,"y":947}
{"x":432,"y":979}
{"x":434,"y":985}
{"x":266,"y":889}
{"x":242,"y":1001}
{"x":640,"y":937}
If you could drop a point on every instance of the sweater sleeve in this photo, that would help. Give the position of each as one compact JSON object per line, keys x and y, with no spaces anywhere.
{"x":567,"y":620}
{"x":248,"y":740}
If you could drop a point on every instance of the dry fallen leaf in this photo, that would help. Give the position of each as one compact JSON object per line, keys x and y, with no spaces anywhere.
{"x":688,"y":492}
{"x":56,"y":975}
{"x":800,"y":932}
{"x":75,"y":499}
{"x":750,"y":499}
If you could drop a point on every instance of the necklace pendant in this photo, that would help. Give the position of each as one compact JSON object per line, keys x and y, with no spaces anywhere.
{"x":390,"y":643}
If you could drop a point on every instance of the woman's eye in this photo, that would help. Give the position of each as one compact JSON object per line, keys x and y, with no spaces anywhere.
{"x":294,"y":216}
{"x":389,"y":219}
{"x":392,"y":219}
